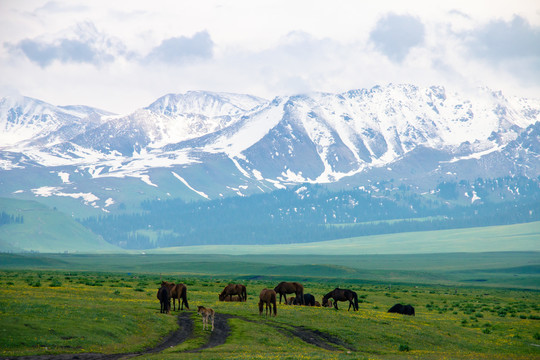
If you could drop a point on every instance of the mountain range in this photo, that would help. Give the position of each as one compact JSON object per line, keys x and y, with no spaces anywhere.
{"x":205,"y":145}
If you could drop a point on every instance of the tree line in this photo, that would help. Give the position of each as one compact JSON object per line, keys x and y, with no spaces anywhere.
{"x":314,"y":213}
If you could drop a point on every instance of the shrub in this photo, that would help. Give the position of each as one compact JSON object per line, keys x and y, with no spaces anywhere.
{"x":404,"y":347}
{"x":55,"y":283}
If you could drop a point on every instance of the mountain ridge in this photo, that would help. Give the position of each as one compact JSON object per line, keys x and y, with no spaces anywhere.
{"x":223,"y":144}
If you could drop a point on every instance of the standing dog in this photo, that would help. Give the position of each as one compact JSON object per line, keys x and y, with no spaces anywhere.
{"x":206,"y":313}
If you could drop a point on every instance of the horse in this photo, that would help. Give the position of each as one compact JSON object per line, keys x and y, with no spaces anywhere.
{"x":342,"y":295}
{"x":234,"y":298}
{"x":206,"y":313}
{"x":290,"y":300}
{"x":285,"y":288}
{"x":309,"y":300}
{"x":234,"y":289}
{"x":178,"y":291}
{"x":164,"y":297}
{"x":267,"y":297}
{"x":402,"y":309}
{"x":328,"y":303}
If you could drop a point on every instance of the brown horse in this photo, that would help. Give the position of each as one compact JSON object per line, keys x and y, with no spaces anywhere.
{"x":342,"y":295}
{"x":285,"y":288}
{"x":267,"y":297}
{"x":290,"y":300}
{"x":234,"y":289}
{"x":178,"y":291}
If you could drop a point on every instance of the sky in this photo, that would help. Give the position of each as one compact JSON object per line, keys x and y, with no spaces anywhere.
{"x":122,"y":55}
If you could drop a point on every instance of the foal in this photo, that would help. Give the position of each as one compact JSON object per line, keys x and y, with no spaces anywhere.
{"x":206,"y":313}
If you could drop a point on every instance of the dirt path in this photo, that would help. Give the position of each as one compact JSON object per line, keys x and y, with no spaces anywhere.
{"x":218,"y":337}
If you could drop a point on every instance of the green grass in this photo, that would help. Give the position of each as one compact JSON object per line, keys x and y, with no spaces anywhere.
{"x":102,"y":312}
{"x":519,"y":237}
{"x":519,"y":270}
{"x":46,"y":230}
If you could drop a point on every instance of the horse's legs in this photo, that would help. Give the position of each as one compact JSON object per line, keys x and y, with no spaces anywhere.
{"x":285,"y":296}
{"x":335,"y":304}
{"x":212,"y":322}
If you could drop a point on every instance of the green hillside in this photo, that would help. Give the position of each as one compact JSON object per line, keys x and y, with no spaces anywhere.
{"x":45,"y":230}
{"x":518,"y":237}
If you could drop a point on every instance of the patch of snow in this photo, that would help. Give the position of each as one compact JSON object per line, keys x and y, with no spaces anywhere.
{"x":189,"y":187}
{"x":64,"y":176}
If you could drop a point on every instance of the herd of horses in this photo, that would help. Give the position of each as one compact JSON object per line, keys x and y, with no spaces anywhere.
{"x":268,"y":297}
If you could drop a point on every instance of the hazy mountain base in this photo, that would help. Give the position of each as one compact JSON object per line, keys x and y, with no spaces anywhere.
{"x":314,"y":213}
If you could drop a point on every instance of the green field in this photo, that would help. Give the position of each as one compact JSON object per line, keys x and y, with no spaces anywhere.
{"x":468,"y":306}
{"x":46,"y":230}
{"x":519,"y":237}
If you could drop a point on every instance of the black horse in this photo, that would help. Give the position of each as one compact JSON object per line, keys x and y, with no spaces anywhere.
{"x":342,"y":295}
{"x":402,"y":309}
{"x":309,"y":300}
{"x":164,"y":297}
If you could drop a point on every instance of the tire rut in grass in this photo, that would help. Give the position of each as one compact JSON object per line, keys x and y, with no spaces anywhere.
{"x":218,"y":337}
{"x":313,"y":337}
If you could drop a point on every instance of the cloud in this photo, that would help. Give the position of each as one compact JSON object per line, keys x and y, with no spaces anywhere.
{"x":499,"y":40}
{"x":178,"y":50}
{"x":84,"y":44}
{"x":395,"y":35}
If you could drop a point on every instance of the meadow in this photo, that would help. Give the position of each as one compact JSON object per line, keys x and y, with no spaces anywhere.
{"x":47,"y":309}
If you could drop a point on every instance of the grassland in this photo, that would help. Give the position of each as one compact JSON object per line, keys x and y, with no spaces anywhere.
{"x":519,"y":237}
{"x":55,"y":304}
{"x":46,"y":230}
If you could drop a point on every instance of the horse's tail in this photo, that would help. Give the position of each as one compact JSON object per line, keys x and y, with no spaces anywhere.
{"x":355,"y":301}
{"x":184,"y":297}
{"x":244,"y":293}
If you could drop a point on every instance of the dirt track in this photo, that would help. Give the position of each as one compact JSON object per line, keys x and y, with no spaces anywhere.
{"x":218,"y":337}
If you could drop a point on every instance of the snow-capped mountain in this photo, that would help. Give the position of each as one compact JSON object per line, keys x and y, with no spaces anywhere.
{"x":203,"y":144}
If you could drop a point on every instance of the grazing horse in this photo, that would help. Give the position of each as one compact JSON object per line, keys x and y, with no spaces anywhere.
{"x":285,"y":288}
{"x":164,"y":297}
{"x":342,"y":295}
{"x":290,"y":300}
{"x":309,"y":300}
{"x":206,"y":313}
{"x":178,"y":291}
{"x":267,"y":297}
{"x":234,"y":289}
{"x":402,"y":309}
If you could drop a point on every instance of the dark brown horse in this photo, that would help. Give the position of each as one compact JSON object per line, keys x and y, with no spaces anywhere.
{"x":267,"y":297}
{"x":164,"y":297}
{"x":178,"y":291}
{"x":285,"y":288}
{"x":234,"y":289}
{"x":342,"y":295}
{"x":309,"y":300}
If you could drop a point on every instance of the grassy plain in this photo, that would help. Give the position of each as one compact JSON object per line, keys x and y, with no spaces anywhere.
{"x":54,"y":304}
{"x":518,"y":237}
